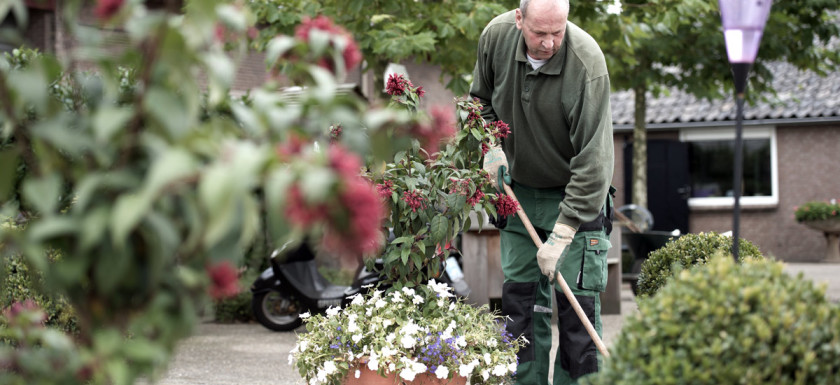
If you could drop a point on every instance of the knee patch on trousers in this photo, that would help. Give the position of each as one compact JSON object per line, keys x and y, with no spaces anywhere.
{"x":518,"y":300}
{"x":578,"y":353}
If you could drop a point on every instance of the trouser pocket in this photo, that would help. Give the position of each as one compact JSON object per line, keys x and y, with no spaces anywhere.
{"x":593,"y":264}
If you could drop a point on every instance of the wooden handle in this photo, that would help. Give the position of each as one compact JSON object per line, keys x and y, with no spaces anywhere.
{"x":563,"y":285}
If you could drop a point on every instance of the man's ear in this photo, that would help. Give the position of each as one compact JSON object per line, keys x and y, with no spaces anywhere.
{"x":518,"y":19}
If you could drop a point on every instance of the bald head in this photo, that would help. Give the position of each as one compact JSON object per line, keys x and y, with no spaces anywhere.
{"x":563,"y":5}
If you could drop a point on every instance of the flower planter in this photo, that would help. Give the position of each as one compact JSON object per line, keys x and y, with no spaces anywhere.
{"x":370,"y":377}
{"x":831,"y":229}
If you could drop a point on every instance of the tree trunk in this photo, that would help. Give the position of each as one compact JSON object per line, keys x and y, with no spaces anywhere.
{"x":640,"y":147}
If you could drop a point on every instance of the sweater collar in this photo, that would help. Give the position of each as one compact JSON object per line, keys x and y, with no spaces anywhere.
{"x":555,"y":63}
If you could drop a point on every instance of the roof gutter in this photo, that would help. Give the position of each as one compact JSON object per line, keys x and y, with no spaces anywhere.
{"x":730,"y":123}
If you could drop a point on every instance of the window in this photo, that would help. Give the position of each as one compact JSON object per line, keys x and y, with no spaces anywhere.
{"x":711,"y":154}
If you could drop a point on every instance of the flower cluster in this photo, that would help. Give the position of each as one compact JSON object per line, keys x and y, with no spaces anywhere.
{"x":505,"y":205}
{"x":410,"y":332}
{"x":399,"y":85}
{"x":351,"y":219}
{"x":414,"y":199}
{"x":817,"y":210}
{"x":344,"y":42}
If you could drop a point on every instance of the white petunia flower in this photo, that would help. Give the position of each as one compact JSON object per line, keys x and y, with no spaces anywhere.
{"x":442,"y":372}
{"x":305,"y":315}
{"x":512,"y":367}
{"x":358,"y":373}
{"x":408,"y":374}
{"x":356,"y":338}
{"x":331,"y":311}
{"x":492,"y":343}
{"x":380,"y":303}
{"x":485,"y":374}
{"x":487,"y":358}
{"x":408,"y":291}
{"x":390,"y":338}
{"x":452,"y":306}
{"x":357,"y":300}
{"x":329,"y":367}
{"x":408,"y":342}
{"x":499,"y":370}
{"x":417,"y":300}
{"x":392,"y":367}
{"x":461,"y":341}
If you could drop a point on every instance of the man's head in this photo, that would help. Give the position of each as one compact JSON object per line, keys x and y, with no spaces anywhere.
{"x":543,"y":24}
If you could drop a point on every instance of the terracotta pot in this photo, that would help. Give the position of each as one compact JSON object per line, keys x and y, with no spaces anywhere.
{"x":370,"y":377}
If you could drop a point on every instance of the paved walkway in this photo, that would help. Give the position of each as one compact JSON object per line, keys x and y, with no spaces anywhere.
{"x":249,"y":354}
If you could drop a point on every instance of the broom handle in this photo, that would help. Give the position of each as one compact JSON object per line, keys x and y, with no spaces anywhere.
{"x":563,"y":285}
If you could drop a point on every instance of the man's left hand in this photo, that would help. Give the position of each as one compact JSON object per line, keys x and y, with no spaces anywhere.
{"x":552,"y":253}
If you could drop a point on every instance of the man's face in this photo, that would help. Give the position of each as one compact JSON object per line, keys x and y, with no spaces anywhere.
{"x":543,"y":29}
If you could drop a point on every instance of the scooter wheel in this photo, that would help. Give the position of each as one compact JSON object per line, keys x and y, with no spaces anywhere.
{"x":276,"y":311}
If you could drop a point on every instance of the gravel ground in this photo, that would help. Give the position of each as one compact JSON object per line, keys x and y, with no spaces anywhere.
{"x":250,"y":354}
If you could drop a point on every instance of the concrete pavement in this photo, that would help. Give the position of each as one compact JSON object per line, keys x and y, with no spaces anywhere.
{"x":250,"y":354}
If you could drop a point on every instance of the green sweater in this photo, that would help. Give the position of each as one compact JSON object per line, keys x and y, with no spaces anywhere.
{"x":559,"y":115}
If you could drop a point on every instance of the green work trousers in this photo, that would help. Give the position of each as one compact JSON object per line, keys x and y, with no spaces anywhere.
{"x":526,"y":292}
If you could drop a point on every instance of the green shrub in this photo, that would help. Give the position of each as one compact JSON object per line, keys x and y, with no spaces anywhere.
{"x":234,"y":309}
{"x":727,"y":323}
{"x":685,"y":252}
{"x":18,"y":283}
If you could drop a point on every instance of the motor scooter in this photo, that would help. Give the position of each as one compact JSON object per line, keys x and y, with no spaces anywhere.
{"x":292,"y":285}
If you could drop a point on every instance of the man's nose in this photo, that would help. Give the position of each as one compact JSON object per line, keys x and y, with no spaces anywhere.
{"x":548,"y":43}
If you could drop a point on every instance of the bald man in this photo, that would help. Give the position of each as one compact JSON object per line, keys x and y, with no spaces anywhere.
{"x":548,"y":80}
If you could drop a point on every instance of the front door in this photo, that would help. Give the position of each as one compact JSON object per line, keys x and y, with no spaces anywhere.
{"x":669,"y":184}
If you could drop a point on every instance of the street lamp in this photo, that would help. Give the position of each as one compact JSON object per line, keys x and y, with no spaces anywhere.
{"x":743,"y":24}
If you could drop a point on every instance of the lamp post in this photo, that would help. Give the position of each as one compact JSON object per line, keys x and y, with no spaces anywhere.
{"x":743,"y":24}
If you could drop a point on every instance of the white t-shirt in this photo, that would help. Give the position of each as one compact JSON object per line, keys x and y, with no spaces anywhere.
{"x":536,"y":63}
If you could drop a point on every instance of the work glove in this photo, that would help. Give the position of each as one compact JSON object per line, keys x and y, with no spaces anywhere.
{"x":553,"y":252}
{"x":493,"y":159}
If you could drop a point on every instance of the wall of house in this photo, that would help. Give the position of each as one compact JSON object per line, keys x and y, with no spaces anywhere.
{"x":809,"y":169}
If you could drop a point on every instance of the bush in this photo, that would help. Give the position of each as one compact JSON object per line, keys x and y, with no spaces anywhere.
{"x":18,"y":284}
{"x":727,"y":323}
{"x":684,"y":252}
{"x":236,"y":308}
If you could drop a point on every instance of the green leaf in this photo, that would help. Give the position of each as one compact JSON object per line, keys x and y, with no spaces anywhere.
{"x":168,"y":168}
{"x":108,"y":121}
{"x":8,"y":170}
{"x":43,"y":193}
{"x":128,"y":211}
{"x":439,"y":228}
{"x":278,"y":47}
{"x":169,"y":110}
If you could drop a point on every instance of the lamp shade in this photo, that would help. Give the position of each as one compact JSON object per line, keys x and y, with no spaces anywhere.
{"x":743,"y":24}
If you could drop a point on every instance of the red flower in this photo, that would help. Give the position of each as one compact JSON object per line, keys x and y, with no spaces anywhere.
{"x":499,"y":129}
{"x":384,"y":189}
{"x":351,"y":54}
{"x":484,"y":148}
{"x":358,"y":230}
{"x":414,"y":199}
{"x":302,"y":213}
{"x":106,"y":9}
{"x":505,"y":205}
{"x":397,"y":85}
{"x":335,"y":133}
{"x":442,"y":126}
{"x":473,"y":200}
{"x":344,"y":162}
{"x":224,"y":280}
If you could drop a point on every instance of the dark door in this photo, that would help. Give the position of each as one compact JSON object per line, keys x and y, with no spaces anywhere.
{"x":668,"y":183}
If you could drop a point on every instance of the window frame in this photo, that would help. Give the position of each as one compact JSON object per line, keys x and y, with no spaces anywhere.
{"x":728,"y":133}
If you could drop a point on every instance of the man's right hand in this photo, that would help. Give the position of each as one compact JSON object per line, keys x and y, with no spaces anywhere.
{"x":493,"y":159}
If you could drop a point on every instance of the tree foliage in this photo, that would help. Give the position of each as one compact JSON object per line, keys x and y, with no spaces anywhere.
{"x":442,"y":33}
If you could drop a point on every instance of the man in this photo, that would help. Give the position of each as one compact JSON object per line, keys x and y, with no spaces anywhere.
{"x":547,"y":79}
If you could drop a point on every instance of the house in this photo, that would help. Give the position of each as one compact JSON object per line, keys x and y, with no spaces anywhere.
{"x":791,"y":156}
{"x":792,"y":147}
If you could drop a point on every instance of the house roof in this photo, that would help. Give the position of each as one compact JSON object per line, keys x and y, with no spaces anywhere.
{"x":802,"y":97}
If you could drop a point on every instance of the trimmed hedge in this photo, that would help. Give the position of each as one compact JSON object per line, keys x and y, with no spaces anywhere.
{"x":685,"y":252}
{"x":18,"y":284}
{"x":727,"y":323}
